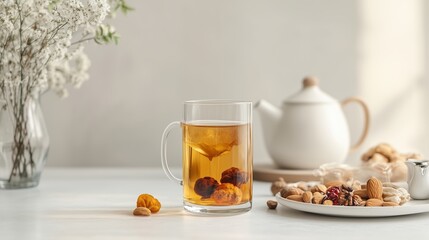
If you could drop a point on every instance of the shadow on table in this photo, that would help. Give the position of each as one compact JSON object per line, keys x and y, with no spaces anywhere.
{"x":111,"y":213}
{"x":103,"y":213}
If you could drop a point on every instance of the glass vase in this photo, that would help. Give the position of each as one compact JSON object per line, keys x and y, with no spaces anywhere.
{"x":24,"y":143}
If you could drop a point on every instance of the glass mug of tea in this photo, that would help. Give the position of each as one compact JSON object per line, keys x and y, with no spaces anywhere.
{"x":217,"y":156}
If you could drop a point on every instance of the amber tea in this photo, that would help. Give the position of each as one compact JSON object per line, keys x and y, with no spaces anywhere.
{"x":217,"y":164}
{"x":216,"y":155}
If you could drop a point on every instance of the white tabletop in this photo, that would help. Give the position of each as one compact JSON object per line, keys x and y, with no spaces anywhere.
{"x":97,"y":203}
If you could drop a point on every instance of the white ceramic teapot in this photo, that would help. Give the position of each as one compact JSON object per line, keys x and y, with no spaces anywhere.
{"x":309,"y":130}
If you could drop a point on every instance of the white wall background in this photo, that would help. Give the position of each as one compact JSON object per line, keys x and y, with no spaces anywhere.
{"x":172,"y":51}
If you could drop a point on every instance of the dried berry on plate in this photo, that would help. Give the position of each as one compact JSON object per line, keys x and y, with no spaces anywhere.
{"x":205,"y":186}
{"x":333,"y":194}
{"x":227,"y":194}
{"x":148,"y":201}
{"x":234,"y":176}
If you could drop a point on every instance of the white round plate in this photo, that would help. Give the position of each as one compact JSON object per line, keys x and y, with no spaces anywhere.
{"x":411,"y":207}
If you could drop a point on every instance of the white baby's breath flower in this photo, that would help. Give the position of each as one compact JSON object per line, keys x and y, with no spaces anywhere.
{"x":41,"y":43}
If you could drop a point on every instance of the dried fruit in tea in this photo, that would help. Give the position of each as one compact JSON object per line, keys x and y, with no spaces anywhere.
{"x":205,"y":186}
{"x":148,"y":201}
{"x":234,"y":176}
{"x":227,"y":194}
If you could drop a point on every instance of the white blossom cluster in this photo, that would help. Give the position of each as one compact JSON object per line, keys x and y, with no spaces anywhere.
{"x":41,"y":44}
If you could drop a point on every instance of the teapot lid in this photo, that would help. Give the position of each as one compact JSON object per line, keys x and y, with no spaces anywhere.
{"x":310,"y":93}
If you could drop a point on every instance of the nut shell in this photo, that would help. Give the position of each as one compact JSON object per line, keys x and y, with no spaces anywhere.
{"x":393,"y":199}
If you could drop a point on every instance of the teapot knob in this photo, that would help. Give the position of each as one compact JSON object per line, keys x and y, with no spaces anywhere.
{"x":310,"y":81}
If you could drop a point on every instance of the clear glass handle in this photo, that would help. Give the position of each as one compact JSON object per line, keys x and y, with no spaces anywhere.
{"x":164,"y":152}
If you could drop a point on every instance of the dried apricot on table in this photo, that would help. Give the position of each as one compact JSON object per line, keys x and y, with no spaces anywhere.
{"x":148,"y":201}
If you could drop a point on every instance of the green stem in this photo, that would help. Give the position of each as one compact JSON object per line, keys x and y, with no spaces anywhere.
{"x":83,"y":40}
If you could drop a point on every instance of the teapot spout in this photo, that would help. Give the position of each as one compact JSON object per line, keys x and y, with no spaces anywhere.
{"x":270,"y":116}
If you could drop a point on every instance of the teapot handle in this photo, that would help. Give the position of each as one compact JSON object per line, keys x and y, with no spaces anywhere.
{"x":366,"y":115}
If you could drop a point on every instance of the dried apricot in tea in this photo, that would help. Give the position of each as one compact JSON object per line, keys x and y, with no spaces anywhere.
{"x":205,"y":186}
{"x":227,"y":194}
{"x":234,"y":176}
{"x":148,"y":201}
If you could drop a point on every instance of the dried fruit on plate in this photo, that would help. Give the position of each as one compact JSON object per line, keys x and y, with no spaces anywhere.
{"x":333,"y":194}
{"x":149,"y":202}
{"x":374,"y":194}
